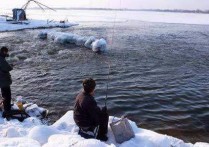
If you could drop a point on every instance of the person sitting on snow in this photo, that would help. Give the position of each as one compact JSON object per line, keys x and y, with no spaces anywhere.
{"x":91,"y":120}
{"x":5,"y":80}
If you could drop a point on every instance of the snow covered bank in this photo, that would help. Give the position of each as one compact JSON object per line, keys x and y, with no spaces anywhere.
{"x":97,"y":45}
{"x":63,"y":133}
{"x":31,"y":24}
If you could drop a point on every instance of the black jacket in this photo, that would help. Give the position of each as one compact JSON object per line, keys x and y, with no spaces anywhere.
{"x":5,"y":68}
{"x":86,"y":111}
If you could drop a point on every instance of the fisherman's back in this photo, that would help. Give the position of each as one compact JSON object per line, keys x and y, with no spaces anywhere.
{"x":86,"y":111}
{"x":91,"y":120}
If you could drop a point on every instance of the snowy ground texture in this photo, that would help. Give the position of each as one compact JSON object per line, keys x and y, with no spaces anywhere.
{"x":63,"y":133}
{"x":30,"y":24}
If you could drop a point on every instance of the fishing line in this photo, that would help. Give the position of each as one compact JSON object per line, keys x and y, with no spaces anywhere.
{"x":108,"y":78}
{"x":109,"y":62}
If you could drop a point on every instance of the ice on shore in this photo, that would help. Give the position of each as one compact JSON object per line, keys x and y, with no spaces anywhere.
{"x":18,"y":142}
{"x":97,"y":45}
{"x":63,"y":133}
{"x":35,"y":111}
{"x":42,"y":133}
{"x":11,"y":132}
{"x":31,"y":24}
{"x":89,"y":41}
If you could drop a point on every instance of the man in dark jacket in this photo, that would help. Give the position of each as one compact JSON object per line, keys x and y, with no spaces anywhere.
{"x":5,"y":80}
{"x":91,"y":120}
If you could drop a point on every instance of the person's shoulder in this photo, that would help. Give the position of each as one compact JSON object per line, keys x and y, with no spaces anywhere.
{"x":79,"y":96}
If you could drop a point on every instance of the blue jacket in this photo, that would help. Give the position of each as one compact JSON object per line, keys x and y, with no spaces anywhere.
{"x":5,"y":68}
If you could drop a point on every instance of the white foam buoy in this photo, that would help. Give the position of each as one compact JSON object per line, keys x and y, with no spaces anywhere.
{"x":89,"y":41}
{"x":97,"y":45}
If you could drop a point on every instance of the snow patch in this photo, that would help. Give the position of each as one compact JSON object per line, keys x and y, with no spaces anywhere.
{"x":31,"y":24}
{"x":64,"y":133}
{"x":11,"y":132}
{"x":201,"y":144}
{"x":18,"y":142}
{"x":34,"y":111}
{"x":143,"y":137}
{"x":42,"y":133}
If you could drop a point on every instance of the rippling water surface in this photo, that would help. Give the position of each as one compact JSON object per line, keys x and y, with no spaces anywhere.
{"x":159,"y":73}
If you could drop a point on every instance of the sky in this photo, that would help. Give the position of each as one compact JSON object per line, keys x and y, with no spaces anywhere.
{"x":131,"y":4}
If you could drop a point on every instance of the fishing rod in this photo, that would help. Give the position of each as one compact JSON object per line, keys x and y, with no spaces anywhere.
{"x":108,"y":78}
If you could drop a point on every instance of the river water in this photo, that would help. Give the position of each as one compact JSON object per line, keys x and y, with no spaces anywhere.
{"x":159,"y":73}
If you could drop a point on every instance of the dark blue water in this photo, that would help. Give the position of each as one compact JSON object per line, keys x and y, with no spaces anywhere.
{"x":159,"y":73}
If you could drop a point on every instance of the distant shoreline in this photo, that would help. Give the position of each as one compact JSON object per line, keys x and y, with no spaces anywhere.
{"x":198,"y":11}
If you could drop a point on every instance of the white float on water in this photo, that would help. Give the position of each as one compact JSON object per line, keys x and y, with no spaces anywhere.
{"x":97,"y":45}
